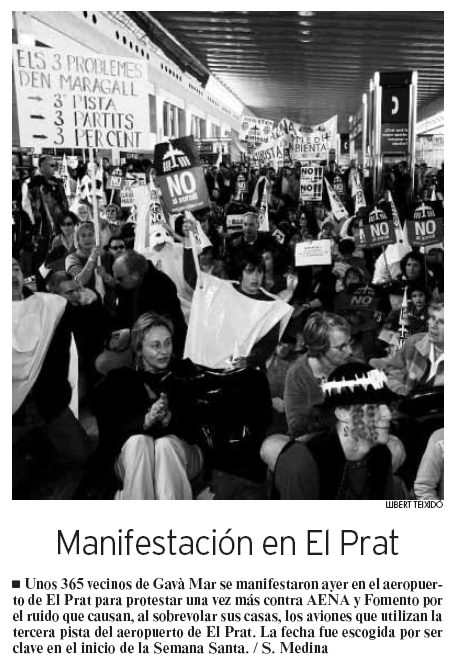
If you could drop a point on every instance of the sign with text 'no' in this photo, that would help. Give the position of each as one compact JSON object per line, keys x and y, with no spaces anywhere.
{"x":180,"y":176}
{"x":80,"y":100}
{"x":376,"y":234}
{"x":424,"y":232}
{"x":311,"y":183}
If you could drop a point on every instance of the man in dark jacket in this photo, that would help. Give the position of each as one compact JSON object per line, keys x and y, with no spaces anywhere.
{"x":141,"y":288}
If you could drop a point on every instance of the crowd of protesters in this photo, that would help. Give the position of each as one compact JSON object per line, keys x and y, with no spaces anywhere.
{"x":341,"y":406}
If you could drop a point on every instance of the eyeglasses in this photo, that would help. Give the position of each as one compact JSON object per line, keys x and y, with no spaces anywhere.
{"x":117,"y":247}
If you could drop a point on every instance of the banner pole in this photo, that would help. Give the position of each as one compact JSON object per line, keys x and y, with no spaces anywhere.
{"x":386,"y":262}
{"x":94,"y":197}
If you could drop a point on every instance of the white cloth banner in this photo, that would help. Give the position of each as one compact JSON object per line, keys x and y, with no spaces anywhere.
{"x":222,"y":319}
{"x":35,"y":320}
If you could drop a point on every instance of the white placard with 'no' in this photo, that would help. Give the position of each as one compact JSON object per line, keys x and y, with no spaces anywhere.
{"x":80,"y":100}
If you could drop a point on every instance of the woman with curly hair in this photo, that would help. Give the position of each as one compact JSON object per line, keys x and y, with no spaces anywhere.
{"x":355,"y":457}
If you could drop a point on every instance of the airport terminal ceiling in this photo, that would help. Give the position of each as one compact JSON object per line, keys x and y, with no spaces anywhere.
{"x":308,"y":66}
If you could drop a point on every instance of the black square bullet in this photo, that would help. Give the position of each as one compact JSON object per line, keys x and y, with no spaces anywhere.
{"x":16,"y":584}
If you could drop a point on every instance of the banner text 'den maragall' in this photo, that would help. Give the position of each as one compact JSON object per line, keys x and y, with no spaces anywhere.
{"x":80,"y":100}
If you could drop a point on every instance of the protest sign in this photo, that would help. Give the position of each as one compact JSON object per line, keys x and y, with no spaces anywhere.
{"x":313,"y":253}
{"x":241,"y":187}
{"x":424,"y":232}
{"x":80,"y":99}
{"x":115,"y":180}
{"x":379,"y":232}
{"x":179,"y":175}
{"x":234,"y":223}
{"x":311,"y":183}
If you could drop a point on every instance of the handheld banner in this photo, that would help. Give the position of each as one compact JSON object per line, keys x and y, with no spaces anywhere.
{"x":311,"y":183}
{"x":338,"y":209}
{"x":180,"y":176}
{"x":264,"y":223}
{"x":313,"y":253}
{"x":81,"y":100}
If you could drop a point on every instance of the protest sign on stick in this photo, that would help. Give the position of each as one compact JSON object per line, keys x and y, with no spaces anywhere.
{"x":180,"y":176}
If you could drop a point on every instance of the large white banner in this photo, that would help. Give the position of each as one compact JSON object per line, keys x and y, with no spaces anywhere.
{"x":80,"y":100}
{"x":299,"y":143}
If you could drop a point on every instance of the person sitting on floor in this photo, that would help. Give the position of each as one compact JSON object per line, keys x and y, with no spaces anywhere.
{"x":147,"y":418}
{"x":355,"y":456}
{"x":45,"y":430}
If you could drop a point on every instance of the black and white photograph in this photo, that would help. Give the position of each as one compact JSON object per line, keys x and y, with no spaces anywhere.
{"x":228,"y":288}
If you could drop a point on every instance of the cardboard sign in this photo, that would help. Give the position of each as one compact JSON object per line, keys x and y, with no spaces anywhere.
{"x":81,"y":99}
{"x":313,"y":253}
{"x":115,"y":180}
{"x":311,"y":183}
{"x":423,"y":232}
{"x":127,"y":197}
{"x":179,"y":175}
{"x":234,"y":223}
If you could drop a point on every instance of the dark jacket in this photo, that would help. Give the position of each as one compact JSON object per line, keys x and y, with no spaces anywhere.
{"x":318,"y":469}
{"x":157,"y":293}
{"x":122,"y":399}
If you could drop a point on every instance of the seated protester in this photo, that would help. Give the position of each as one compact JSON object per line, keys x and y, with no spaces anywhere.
{"x":146,"y":418}
{"x":273,"y":281}
{"x":347,"y":258}
{"x":363,"y":308}
{"x":420,"y":361}
{"x":418,"y":299}
{"x":206,"y":220}
{"x":435,"y":263}
{"x":328,"y":343}
{"x":115,"y":247}
{"x":44,"y":428}
{"x":429,"y":483}
{"x":141,"y":288}
{"x":63,"y":243}
{"x":211,"y":265}
{"x":89,"y":322}
{"x":251,"y":240}
{"x":315,"y":290}
{"x":353,"y":457}
{"x":81,"y":263}
{"x":413,"y":269}
{"x":308,"y":228}
{"x":253,"y":272}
